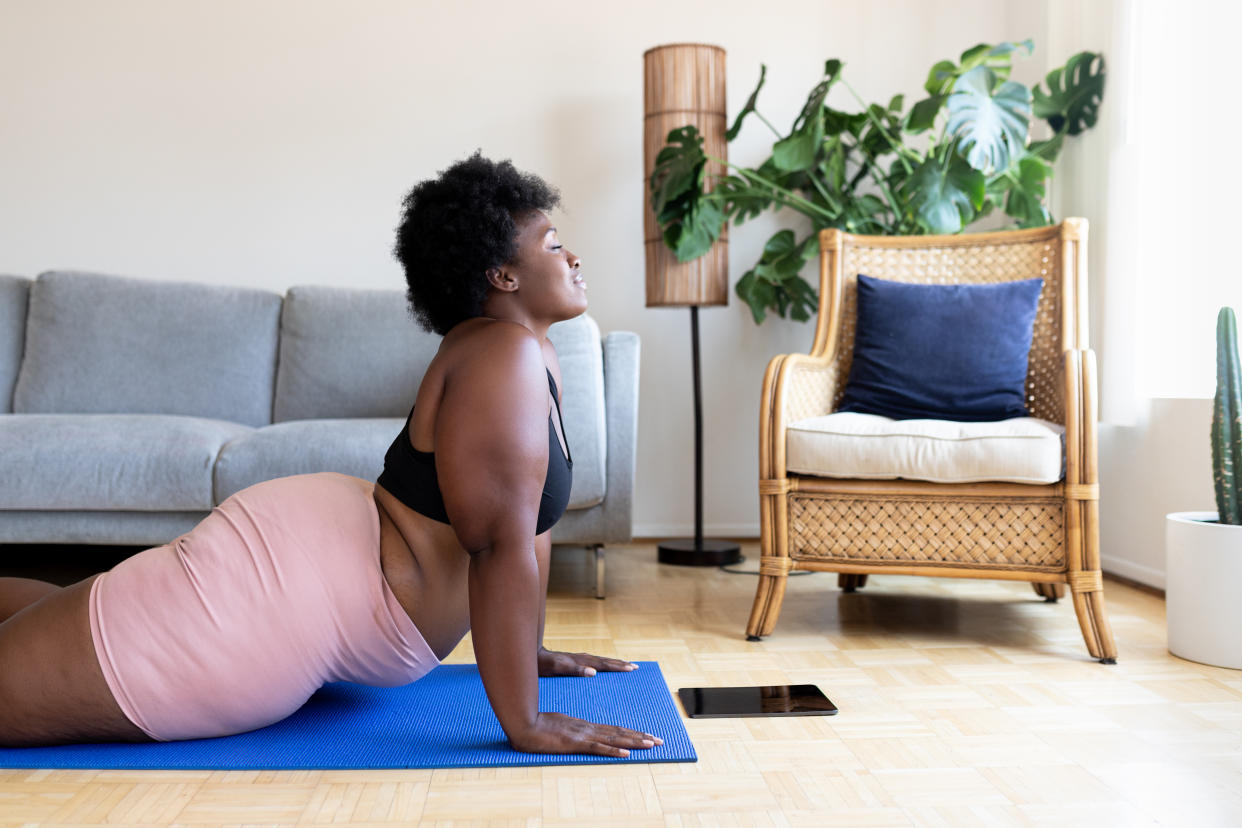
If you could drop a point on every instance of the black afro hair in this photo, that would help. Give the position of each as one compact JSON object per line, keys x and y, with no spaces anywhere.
{"x":457,"y":226}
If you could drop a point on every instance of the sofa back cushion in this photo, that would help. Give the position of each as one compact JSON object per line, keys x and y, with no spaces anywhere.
{"x":13,"y":294}
{"x":347,"y":352}
{"x":105,"y":344}
{"x":580,"y":352}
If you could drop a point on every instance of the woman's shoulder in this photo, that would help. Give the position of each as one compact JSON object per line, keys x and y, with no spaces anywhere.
{"x":493,"y":347}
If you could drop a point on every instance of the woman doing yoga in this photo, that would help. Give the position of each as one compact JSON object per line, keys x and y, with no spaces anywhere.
{"x":304,"y":580}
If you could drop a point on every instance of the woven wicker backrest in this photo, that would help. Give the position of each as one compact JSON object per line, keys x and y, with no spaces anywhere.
{"x":968,"y":258}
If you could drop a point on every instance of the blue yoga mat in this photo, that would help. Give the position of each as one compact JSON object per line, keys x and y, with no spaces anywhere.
{"x":442,"y":720}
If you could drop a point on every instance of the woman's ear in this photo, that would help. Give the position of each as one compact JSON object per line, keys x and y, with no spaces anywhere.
{"x":501,"y":279}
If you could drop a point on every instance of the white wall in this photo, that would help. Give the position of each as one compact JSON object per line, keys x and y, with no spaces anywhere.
{"x":270,"y":143}
{"x":1160,"y":464}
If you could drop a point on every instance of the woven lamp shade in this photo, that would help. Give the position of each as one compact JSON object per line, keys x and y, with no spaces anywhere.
{"x":683,"y":85}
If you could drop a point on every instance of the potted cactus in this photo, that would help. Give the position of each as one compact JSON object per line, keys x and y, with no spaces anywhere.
{"x":1203,"y":550}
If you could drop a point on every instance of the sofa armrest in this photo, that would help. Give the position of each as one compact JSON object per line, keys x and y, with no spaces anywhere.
{"x":621,"y":353}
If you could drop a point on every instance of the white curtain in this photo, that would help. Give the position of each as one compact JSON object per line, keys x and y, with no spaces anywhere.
{"x":1158,"y":179}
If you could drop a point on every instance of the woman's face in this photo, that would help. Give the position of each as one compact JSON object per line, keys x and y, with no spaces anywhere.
{"x":549,"y":276}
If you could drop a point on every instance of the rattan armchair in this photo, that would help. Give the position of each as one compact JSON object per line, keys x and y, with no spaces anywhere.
{"x":1047,"y":535}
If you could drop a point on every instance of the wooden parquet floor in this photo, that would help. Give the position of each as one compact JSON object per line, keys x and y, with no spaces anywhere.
{"x":962,"y":703}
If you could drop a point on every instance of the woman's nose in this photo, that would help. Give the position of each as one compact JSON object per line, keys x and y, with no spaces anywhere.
{"x":574,"y":261}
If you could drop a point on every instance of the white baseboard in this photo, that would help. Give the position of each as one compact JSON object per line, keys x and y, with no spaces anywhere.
{"x":686,"y":530}
{"x":1135,"y":572}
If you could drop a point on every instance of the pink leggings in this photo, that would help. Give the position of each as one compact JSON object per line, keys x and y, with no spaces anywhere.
{"x":235,"y":624}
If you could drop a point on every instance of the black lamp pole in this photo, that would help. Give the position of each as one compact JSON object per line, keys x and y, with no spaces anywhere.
{"x":698,"y":551}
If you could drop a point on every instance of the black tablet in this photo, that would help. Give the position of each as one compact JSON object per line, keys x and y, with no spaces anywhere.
{"x":774,"y":700}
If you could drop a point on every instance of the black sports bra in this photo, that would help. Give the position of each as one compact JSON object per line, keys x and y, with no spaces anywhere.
{"x":410,"y":474}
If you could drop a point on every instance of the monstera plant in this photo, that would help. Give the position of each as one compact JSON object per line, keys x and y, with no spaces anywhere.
{"x":952,"y":158}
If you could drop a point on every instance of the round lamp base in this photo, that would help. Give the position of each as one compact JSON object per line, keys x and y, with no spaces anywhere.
{"x":710,"y":553}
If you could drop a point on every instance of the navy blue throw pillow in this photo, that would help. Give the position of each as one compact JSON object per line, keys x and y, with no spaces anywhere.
{"x":942,"y":352}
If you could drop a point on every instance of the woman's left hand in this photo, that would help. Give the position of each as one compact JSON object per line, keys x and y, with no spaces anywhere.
{"x":579,"y":664}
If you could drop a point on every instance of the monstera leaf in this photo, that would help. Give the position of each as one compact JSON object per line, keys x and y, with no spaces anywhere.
{"x":1047,"y":150}
{"x":774,"y":281}
{"x":1025,"y":201}
{"x":783,"y":257}
{"x":749,"y":107}
{"x":678,"y":174}
{"x":944,"y":192}
{"x":694,"y":234}
{"x":992,"y":121}
{"x":959,"y":154}
{"x":923,"y":114}
{"x":997,"y":58}
{"x":942,"y":77}
{"x":691,"y":222}
{"x":1072,"y":101}
{"x":797,"y":151}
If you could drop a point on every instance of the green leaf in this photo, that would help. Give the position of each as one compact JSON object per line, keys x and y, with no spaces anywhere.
{"x":797,"y":152}
{"x":1072,"y":102}
{"x":774,"y":283}
{"x":832,"y":167}
{"x":992,"y":126}
{"x":942,"y":194}
{"x":781,"y":243}
{"x":675,"y":181}
{"x":1025,"y":201}
{"x":880,"y":123}
{"x":782,"y":258}
{"x":749,"y":107}
{"x":940,"y":77}
{"x":837,"y":122}
{"x":1047,"y":150}
{"x":756,"y":294}
{"x":690,"y":221}
{"x":997,"y":58}
{"x":923,"y":115}
{"x":803,"y":299}
{"x":975,"y":56}
{"x":745,"y":200}
{"x":866,"y":206}
{"x":694,"y":234}
{"x":812,"y":109}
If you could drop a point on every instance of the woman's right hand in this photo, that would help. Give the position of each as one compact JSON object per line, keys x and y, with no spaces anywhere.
{"x":558,"y":733}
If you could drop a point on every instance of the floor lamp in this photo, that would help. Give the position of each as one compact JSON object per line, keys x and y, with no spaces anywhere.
{"x":684,"y":84}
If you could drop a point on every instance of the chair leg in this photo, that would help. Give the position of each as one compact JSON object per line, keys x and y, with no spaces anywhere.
{"x":769,"y":595}
{"x":1049,"y":592}
{"x":851,"y":582}
{"x":1093,"y":621}
{"x":599,"y":570}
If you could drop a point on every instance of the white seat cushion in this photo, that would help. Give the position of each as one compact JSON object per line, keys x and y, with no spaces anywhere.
{"x":867,"y":446}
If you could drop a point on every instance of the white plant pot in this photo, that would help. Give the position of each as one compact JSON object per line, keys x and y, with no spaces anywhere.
{"x":1203,"y":575}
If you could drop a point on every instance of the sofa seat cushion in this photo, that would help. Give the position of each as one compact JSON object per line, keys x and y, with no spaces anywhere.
{"x":351,"y":446}
{"x":871,"y":447}
{"x":348,"y":446}
{"x":108,"y":462}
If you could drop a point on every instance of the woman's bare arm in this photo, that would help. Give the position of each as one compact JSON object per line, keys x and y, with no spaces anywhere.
{"x":491,"y":460}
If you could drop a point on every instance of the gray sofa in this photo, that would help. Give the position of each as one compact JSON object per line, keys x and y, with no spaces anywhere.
{"x":129,"y":408}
